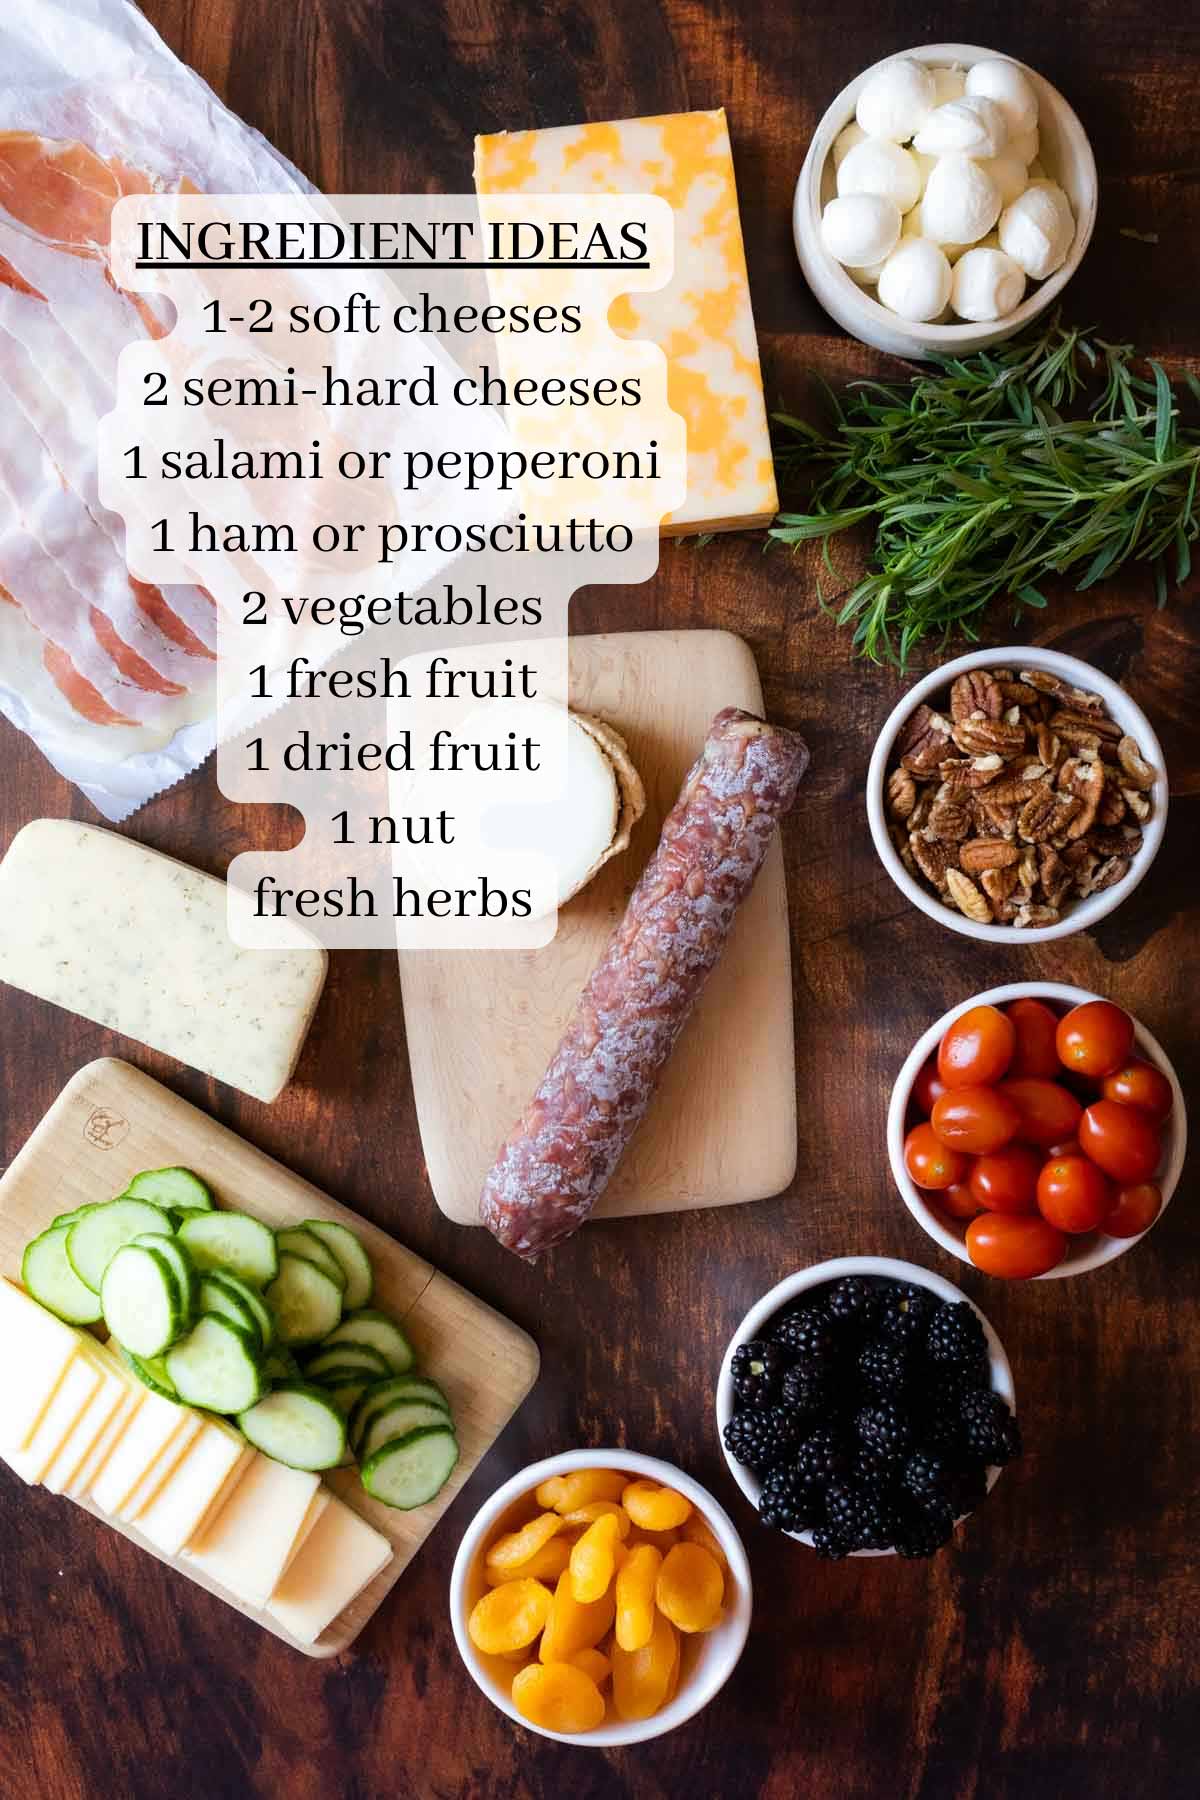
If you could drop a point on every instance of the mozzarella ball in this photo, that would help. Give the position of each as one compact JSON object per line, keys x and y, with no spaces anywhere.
{"x":1002,"y":81}
{"x":845,"y":141}
{"x":860,"y":229}
{"x":877,"y":166}
{"x":894,"y":101}
{"x":1024,"y":144}
{"x":960,"y":203}
{"x":1037,"y":230}
{"x":915,"y":280}
{"x":914,"y":227}
{"x":987,"y":284}
{"x":972,"y":127}
{"x":948,"y":84}
{"x":1009,"y":174}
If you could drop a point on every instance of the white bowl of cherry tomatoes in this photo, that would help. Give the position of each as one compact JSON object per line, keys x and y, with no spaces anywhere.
{"x":1036,"y":1130}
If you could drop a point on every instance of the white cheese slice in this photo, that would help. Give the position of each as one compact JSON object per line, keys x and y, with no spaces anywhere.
{"x":98,"y":1456}
{"x":72,"y":1396}
{"x":207,"y":1470}
{"x":152,"y":1430}
{"x":161,"y":1469}
{"x":96,"y":1416}
{"x":139,"y":943}
{"x":316,"y":1510}
{"x":342,"y":1555}
{"x":35,"y":1351}
{"x":245,"y":1548}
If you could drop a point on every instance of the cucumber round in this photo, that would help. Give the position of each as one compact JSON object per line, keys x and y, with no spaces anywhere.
{"x":140,"y":1300}
{"x":151,"y":1371}
{"x":382,"y":1394}
{"x":356,"y":1264}
{"x":46,"y":1271}
{"x":345,"y":1393}
{"x":410,"y":1470}
{"x":216,"y":1366}
{"x":303,"y":1242}
{"x":171,"y":1187}
{"x":305,"y":1303}
{"x":96,"y":1237}
{"x":367,"y":1326}
{"x":182,"y":1267}
{"x":254,"y":1303}
{"x":281,"y":1365}
{"x":344,"y":1358}
{"x":219,"y":1298}
{"x":396,"y":1421}
{"x":297,"y":1425}
{"x":234,"y":1242}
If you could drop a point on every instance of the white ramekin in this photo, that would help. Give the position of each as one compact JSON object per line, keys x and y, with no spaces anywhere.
{"x":785,"y":1292}
{"x":1088,"y":1251}
{"x":1065,"y":153}
{"x":1125,"y":712}
{"x":709,"y":1658}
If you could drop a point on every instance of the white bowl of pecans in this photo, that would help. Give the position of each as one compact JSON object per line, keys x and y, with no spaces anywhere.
{"x":1017,"y":793}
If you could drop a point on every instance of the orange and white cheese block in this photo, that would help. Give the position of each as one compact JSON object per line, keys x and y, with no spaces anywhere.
{"x":703,"y":318}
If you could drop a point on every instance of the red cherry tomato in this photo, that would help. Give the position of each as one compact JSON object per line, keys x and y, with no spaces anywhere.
{"x":928,"y":1086}
{"x":1006,"y":1181}
{"x":1135,"y":1211}
{"x":957,"y":1200}
{"x":1048,"y":1114}
{"x":1122,"y":1140}
{"x":1068,"y":1147}
{"x":977,"y":1048}
{"x":1073,"y":1193}
{"x":1036,"y":1027}
{"x":1140,"y":1084}
{"x":1095,"y":1038}
{"x":1014,"y":1245}
{"x":929,"y":1162}
{"x":978,"y":1119}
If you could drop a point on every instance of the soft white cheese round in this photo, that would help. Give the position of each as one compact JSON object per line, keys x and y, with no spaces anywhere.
{"x":915,"y":280}
{"x":1037,"y":230}
{"x":1002,"y":81}
{"x":987,"y":284}
{"x":948,"y":84}
{"x":972,"y":126}
{"x":878,"y":166}
{"x":914,"y":227}
{"x":961,"y":202}
{"x":894,"y":102}
{"x":859,"y":229}
{"x":1009,"y":174}
{"x":845,"y":141}
{"x":1025,"y":144}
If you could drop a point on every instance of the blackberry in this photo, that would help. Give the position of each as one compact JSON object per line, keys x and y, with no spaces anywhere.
{"x":806,"y":1391}
{"x":908,"y":1313}
{"x":761,"y":1436}
{"x":871,"y":1469}
{"x":853,"y":1303}
{"x":808,"y":1333}
{"x":879,"y":1517}
{"x":939,"y":1423}
{"x":787,"y":1502}
{"x":923,"y":1531}
{"x":955,"y":1338}
{"x":820,"y":1458}
{"x":930,"y":1481}
{"x":844,"y":1513}
{"x":883,"y":1428}
{"x":829,"y":1543}
{"x":758,"y":1369}
{"x":884,"y":1366}
{"x":989,"y":1432}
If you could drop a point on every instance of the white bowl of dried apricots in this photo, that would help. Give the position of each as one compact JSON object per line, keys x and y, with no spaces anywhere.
{"x":601,"y":1597}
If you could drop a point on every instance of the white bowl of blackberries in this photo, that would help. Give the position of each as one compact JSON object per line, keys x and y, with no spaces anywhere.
{"x":866,"y":1408}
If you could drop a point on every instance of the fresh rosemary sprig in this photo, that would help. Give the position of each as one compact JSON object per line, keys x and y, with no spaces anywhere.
{"x":1049,"y":455}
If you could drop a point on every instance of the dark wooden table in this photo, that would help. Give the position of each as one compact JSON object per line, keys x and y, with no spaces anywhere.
{"x":1053,"y":1651}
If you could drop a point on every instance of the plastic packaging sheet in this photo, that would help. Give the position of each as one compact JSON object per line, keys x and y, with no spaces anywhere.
{"x":113,"y":679}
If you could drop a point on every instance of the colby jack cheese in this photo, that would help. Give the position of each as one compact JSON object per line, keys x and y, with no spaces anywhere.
{"x":703,"y":318}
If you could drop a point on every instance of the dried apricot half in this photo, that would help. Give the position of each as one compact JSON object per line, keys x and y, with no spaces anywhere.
{"x":594,"y":1559}
{"x":565,"y":1492}
{"x":635,"y":1597}
{"x":571,"y":1625}
{"x":690,"y":1588}
{"x":509,"y":1617}
{"x":558,"y":1697}
{"x":546,"y":1564}
{"x":655,"y":1508}
{"x":642,"y":1678}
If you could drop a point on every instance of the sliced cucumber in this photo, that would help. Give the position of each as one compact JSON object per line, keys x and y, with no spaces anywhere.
{"x":254,"y":1303}
{"x":69,"y":1218}
{"x":382,"y":1394}
{"x":151,"y":1371}
{"x":216,"y":1366}
{"x":171,"y":1187}
{"x":347,"y":1358}
{"x":47,"y":1273}
{"x":140,"y":1300}
{"x":305,"y":1302}
{"x":223,"y":1302}
{"x":96,"y":1237}
{"x":366,"y":1326}
{"x":356,"y":1264}
{"x":397,"y":1421}
{"x":182,"y":1267}
{"x":302,"y":1242}
{"x":297,"y":1425}
{"x":345,"y":1393}
{"x":232,"y":1241}
{"x":281,"y":1365}
{"x":410,"y":1470}
{"x":180,"y":1213}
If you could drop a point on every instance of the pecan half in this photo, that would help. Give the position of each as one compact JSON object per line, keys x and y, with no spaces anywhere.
{"x":1015,"y":693}
{"x":970,"y":771}
{"x":1137,"y":803}
{"x":924,"y":741}
{"x":987,"y":853}
{"x":980,"y":736}
{"x":1046,"y":814}
{"x":1124,"y":840}
{"x":1087,"y":791}
{"x":1112,"y":806}
{"x":998,"y":885}
{"x":1056,"y":877}
{"x":1036,"y":915}
{"x":967,"y":897}
{"x":975,"y":692}
{"x":1058,"y":689}
{"x":1115,"y":869}
{"x":1103,"y":726}
{"x":901,"y":793}
{"x":1050,"y":748}
{"x":949,"y":820}
{"x":1137,"y":771}
{"x":932,"y":858}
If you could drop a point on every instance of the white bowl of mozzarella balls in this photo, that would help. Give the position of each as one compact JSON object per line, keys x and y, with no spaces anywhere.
{"x":947,"y":197}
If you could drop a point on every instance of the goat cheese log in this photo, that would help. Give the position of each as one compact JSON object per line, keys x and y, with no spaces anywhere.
{"x":591,"y":1100}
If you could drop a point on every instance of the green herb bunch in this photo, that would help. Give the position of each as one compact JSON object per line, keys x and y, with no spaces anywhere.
{"x":1048,"y":456}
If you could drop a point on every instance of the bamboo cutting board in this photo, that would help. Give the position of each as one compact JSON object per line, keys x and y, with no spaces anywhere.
{"x":482,"y":1025}
{"x":112,"y":1120}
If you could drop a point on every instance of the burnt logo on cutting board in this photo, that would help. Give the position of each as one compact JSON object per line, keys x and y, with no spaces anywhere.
{"x":105,"y":1129}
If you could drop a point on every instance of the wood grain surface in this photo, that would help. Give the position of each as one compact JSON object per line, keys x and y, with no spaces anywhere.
{"x":1053,"y":1651}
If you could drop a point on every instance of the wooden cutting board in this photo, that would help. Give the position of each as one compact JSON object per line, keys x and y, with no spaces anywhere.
{"x":482,"y":1025}
{"x":112,"y":1120}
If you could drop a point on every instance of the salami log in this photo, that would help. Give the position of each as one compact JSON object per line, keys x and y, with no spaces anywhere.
{"x":591,"y":1099}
